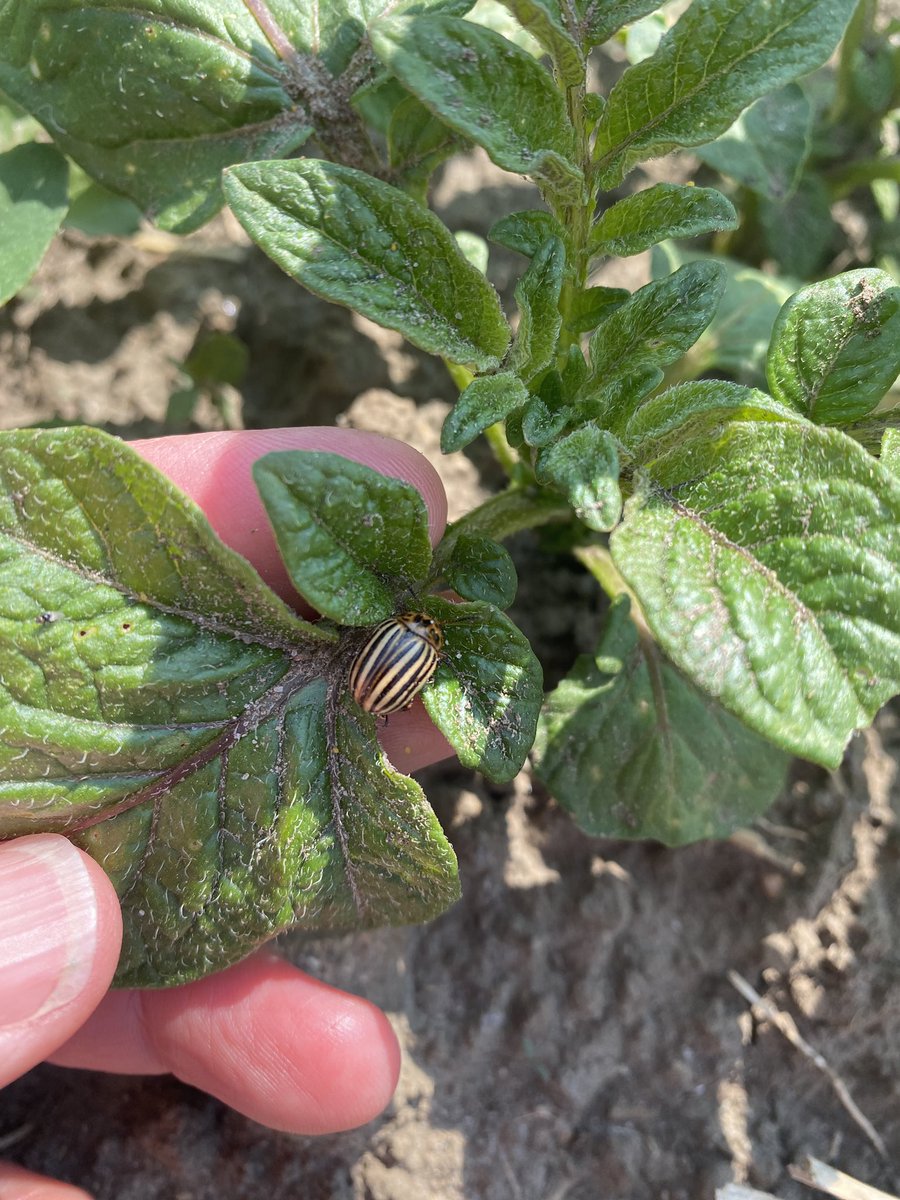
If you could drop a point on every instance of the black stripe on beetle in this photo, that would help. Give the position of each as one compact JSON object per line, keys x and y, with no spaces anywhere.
{"x":396,"y":662}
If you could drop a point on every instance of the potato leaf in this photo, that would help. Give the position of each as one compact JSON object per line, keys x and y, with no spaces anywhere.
{"x":835,"y":348}
{"x":487,"y":399}
{"x":352,"y":539}
{"x":453,"y":65}
{"x":360,"y":242}
{"x":159,"y":705}
{"x":666,"y":210}
{"x":33,"y":202}
{"x":633,"y":749}
{"x":766,"y":557}
{"x":486,"y":695}
{"x":584,"y":466}
{"x":719,"y":57}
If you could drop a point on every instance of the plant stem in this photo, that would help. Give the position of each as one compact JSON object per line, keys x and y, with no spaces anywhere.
{"x":503,"y":451}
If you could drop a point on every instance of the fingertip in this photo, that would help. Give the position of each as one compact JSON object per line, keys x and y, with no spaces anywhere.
{"x":18,"y":1184}
{"x":277,"y":1045}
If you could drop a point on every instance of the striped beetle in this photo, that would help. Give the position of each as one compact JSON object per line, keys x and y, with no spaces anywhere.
{"x":396,"y":662}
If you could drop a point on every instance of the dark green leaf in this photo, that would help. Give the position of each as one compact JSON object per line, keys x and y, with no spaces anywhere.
{"x":540,"y":424}
{"x":526,"y":232}
{"x":737,"y":338}
{"x":594,"y":305}
{"x":545,"y":22}
{"x":767,"y":562}
{"x":584,"y":466}
{"x":719,"y":57}
{"x":835,"y":348}
{"x":800,"y":231}
{"x":33,"y":202}
{"x":480,"y":569}
{"x":351,"y":538}
{"x":453,"y":67}
{"x":694,"y":411}
{"x":537,"y":295}
{"x":632,"y":749}
{"x":486,"y":695}
{"x":360,"y":242}
{"x":666,"y":210}
{"x":153,"y":99}
{"x":161,"y":704}
{"x":294,"y":823}
{"x":652,"y":329}
{"x":487,"y":399}
{"x":417,"y":144}
{"x":600,"y":19}
{"x":767,"y":147}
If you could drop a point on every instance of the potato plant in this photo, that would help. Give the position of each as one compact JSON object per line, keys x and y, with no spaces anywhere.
{"x":163,"y":708}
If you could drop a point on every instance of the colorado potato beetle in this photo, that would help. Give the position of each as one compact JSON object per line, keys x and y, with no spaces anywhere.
{"x":396,"y":662}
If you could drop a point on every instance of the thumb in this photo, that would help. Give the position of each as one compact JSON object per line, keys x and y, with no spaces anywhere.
{"x":60,"y":933}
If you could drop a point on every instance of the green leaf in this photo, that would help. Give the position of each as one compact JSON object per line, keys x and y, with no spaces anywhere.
{"x":650,"y":330}
{"x":593,"y":305}
{"x":666,"y":210}
{"x":417,"y":144}
{"x":890,"y":450}
{"x":541,"y":424}
{"x":526,"y":231}
{"x":487,"y":399}
{"x":162,"y":706}
{"x":800,"y":232}
{"x":600,"y":19}
{"x":835,"y":348}
{"x":453,"y":67}
{"x":537,"y":295}
{"x":545,"y":22}
{"x":737,"y":339}
{"x":767,"y":562}
{"x":486,"y":694}
{"x":33,"y":202}
{"x":719,"y":57}
{"x":479,"y":568}
{"x":362,"y":243}
{"x":693,"y":411}
{"x":351,"y":538}
{"x":584,"y":466}
{"x":767,"y":147}
{"x":632,"y":749}
{"x":153,"y":97}
{"x":300,"y":821}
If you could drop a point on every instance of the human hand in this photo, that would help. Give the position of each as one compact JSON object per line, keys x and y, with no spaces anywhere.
{"x":270,"y":1041}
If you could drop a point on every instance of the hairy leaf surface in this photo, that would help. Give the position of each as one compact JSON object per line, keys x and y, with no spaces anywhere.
{"x":633,"y":749}
{"x":719,"y":57}
{"x":454,"y":67}
{"x":360,"y":242}
{"x":486,"y":694}
{"x":161,"y":706}
{"x":666,"y":210}
{"x":351,"y":539}
{"x":835,"y":348}
{"x":766,"y":556}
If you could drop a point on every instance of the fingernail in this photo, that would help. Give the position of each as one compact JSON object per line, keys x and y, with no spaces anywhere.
{"x":48,"y":926}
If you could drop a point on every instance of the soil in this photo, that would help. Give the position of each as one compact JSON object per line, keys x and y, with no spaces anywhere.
{"x":569,"y":1028}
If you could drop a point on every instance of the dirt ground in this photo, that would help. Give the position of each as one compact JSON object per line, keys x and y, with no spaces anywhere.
{"x":569,"y":1029}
